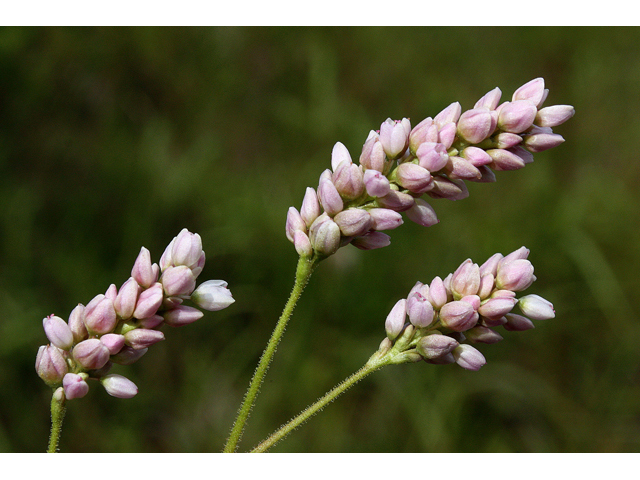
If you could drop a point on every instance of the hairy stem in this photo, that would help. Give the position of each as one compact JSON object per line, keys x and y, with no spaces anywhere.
{"x":58,"y":410}
{"x":376,"y":362}
{"x":304,"y":270}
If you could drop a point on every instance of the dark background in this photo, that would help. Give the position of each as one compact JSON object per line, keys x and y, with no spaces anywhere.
{"x":115,"y":138}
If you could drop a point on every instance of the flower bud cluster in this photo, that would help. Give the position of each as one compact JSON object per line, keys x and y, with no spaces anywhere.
{"x":119,"y":326}
{"x":435,"y":319}
{"x":354,"y":203}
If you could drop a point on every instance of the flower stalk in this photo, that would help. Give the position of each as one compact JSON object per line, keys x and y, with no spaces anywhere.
{"x":306,"y":266}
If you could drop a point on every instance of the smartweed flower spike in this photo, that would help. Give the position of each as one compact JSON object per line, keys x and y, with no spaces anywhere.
{"x":434,"y":321}
{"x":399,"y":165}
{"x":119,"y":326}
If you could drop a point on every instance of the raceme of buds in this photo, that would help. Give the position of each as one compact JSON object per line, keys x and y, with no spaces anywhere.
{"x":120,"y":325}
{"x":466,"y":306}
{"x":398,"y":165}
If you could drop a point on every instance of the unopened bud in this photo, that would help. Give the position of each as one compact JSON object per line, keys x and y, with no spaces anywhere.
{"x":371,"y":241}
{"x":436,"y":346}
{"x":182,"y":315}
{"x":51,"y":365}
{"x":468,"y":357}
{"x":142,"y":270}
{"x":91,"y":354}
{"x":149,"y":301}
{"x":142,"y":338}
{"x":354,"y":222}
{"x":100,"y":316}
{"x":119,"y":386}
{"x":458,"y":316}
{"x":536,"y":307}
{"x":74,"y":386}
{"x":58,"y":332}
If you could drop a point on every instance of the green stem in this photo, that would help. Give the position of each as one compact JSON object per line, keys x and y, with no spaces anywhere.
{"x":305,"y":268}
{"x":58,"y":410}
{"x":376,"y":362}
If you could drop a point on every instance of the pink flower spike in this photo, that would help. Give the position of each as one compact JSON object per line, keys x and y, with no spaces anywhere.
{"x":119,"y":386}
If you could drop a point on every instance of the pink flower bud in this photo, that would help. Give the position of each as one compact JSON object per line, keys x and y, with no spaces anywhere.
{"x":517,"y":116}
{"x":385,"y":219}
{"x":165,"y":260}
{"x":449,"y":114}
{"x":447,"y":134}
{"x":542,"y":141}
{"x":182,"y":315}
{"x":142,"y":270}
{"x":459,"y":168}
{"x":302,"y":244}
{"x":153,"y":321}
{"x":354,"y":222}
{"x":506,"y":140}
{"x":294,"y":224}
{"x":515,"y":276}
{"x":125,"y":302}
{"x":475,"y":125}
{"x":339,"y":154}
{"x":186,"y":249}
{"x":348,"y":180}
{"x":476,"y":156}
{"x":212,"y":295}
{"x":422,"y":213}
{"x":432,"y":156}
{"x":310,"y":209}
{"x":113,"y":341}
{"x":437,"y":293}
{"x":51,"y":365}
{"x":419,"y":309}
{"x":373,"y":156}
{"x":517,"y":323}
{"x":376,"y":184}
{"x":425,"y":131}
{"x":458,"y":316}
{"x":396,"y":201}
{"x":91,"y":354}
{"x":329,"y":197}
{"x":487,"y":283}
{"x":468,"y":357}
{"x":324,"y":235}
{"x":491,"y":265}
{"x":449,"y":189}
{"x":496,"y":307}
{"x":111,"y":292}
{"x":536,"y":307}
{"x":520,"y":253}
{"x":394,"y":136}
{"x":473,"y":300}
{"x":74,"y":386}
{"x":58,"y":332}
{"x":76,"y":323}
{"x":396,"y":318}
{"x":149,"y":301}
{"x":505,"y":160}
{"x":119,"y":386}
{"x":100,"y":316}
{"x":128,"y":355}
{"x":142,"y":338}
{"x":371,"y":241}
{"x":178,"y":281}
{"x":490,"y":100}
{"x":532,"y":92}
{"x":414,"y":177}
{"x":436,"y":346}
{"x":554,"y":116}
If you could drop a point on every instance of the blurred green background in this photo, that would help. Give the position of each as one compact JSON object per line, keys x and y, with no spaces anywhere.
{"x":115,"y":138}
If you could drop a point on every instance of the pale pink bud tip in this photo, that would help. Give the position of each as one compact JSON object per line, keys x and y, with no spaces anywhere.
{"x":536,"y":307}
{"x":142,"y":270}
{"x":187,"y":249}
{"x":142,"y":338}
{"x":119,"y":386}
{"x":394,"y":136}
{"x":339,"y":154}
{"x":396,"y":318}
{"x":51,"y":365}
{"x":182,"y":315}
{"x":212,"y":295}
{"x":436,"y":346}
{"x":74,"y":386}
{"x":178,"y":281}
{"x":468,"y":357}
{"x":58,"y":332}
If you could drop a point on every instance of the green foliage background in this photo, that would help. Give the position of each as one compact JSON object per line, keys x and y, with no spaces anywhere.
{"x":114,"y":138}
